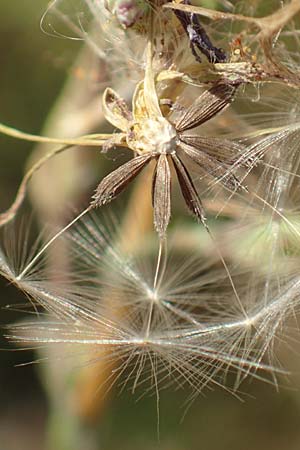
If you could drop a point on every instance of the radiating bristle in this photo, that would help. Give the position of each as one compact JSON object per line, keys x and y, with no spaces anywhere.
{"x":196,"y":331}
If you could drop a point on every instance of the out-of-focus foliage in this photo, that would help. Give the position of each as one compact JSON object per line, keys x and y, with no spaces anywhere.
{"x":33,"y":68}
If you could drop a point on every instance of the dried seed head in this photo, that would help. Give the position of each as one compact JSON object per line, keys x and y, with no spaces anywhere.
{"x":107,"y":307}
{"x":149,"y":134}
{"x":152,"y":136}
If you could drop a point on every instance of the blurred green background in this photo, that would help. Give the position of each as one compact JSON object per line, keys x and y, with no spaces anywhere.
{"x":33,"y":69}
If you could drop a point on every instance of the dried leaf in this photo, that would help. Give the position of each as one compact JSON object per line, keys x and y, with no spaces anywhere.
{"x":188,"y":189}
{"x":199,"y":39}
{"x":162,"y":195}
{"x":114,"y":183}
{"x":116,"y":110}
{"x":210,"y":103}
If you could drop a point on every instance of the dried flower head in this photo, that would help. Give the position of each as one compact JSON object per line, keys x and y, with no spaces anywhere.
{"x":155,"y":138}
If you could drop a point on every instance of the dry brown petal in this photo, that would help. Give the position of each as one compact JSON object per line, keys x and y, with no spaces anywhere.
{"x":210,"y":103}
{"x":116,"y":110}
{"x":114,"y":183}
{"x":188,"y":189}
{"x":161,"y":195}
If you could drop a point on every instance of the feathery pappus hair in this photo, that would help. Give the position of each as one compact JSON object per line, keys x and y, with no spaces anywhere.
{"x":188,"y":329}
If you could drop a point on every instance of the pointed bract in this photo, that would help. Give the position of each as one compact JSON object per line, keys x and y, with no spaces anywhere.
{"x":114,"y":183}
{"x":221,"y":149}
{"x":212,"y":166}
{"x":210,"y":103}
{"x":115,"y":109}
{"x":188,"y":190}
{"x":161,"y":193}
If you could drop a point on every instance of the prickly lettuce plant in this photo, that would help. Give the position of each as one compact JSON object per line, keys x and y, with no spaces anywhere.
{"x":215,"y":106}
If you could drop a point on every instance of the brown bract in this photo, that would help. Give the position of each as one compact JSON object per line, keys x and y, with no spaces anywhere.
{"x":153,"y":137}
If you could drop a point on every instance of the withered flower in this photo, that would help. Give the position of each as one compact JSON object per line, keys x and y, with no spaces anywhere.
{"x":153,"y":137}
